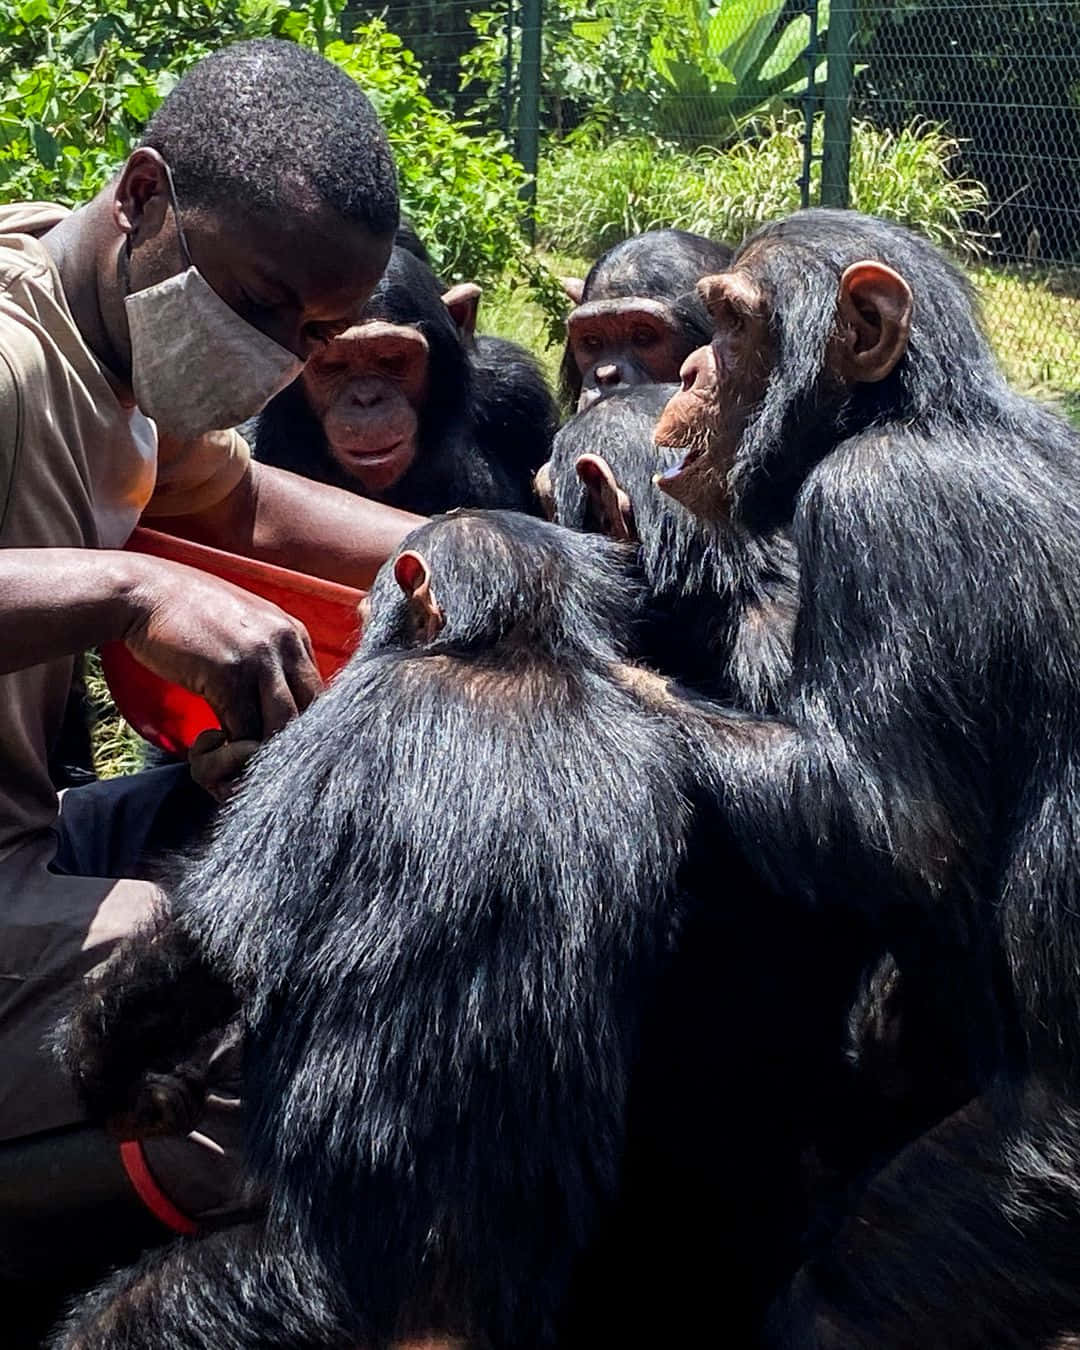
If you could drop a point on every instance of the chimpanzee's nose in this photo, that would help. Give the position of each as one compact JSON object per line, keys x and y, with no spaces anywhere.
{"x":697,"y":368}
{"x":367,"y":396}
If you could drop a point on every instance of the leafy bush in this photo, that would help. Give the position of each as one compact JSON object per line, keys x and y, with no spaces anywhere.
{"x":591,"y":196}
{"x":78,"y":85}
{"x":725,"y":63}
{"x":596,"y":71}
{"x":687,"y":70}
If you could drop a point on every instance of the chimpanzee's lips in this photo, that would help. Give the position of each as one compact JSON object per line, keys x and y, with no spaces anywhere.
{"x":688,"y":457}
{"x":363,"y":454}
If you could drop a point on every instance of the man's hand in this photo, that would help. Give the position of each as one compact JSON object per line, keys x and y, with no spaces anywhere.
{"x":249,"y":660}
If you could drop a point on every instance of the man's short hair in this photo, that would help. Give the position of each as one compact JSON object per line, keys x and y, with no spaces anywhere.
{"x":268,"y":124}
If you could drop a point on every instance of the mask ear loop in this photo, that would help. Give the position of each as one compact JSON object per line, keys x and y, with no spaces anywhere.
{"x":180,"y":235}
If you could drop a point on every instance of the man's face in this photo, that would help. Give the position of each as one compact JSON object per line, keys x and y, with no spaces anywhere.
{"x":300,"y":274}
{"x":300,"y":277}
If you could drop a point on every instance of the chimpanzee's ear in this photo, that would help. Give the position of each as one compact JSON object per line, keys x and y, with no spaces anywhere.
{"x":463,"y":302}
{"x":544,"y":490}
{"x":610,"y":502}
{"x":874,"y":313}
{"x":413,"y":575}
{"x":574,"y":288}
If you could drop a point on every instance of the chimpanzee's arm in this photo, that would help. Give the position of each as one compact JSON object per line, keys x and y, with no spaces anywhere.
{"x":237,"y":1287}
{"x":133,"y":1042}
{"x":875,"y":773}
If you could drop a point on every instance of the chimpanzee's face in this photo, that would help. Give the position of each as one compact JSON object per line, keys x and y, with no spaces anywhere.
{"x":868,"y":311}
{"x":623,"y":342}
{"x":722,"y":384}
{"x":367,"y":388}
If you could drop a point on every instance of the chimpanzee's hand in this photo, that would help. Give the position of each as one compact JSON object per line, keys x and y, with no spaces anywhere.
{"x":164,"y":1102}
{"x":251,"y":661}
{"x":138,"y":1041}
{"x":216,"y":763}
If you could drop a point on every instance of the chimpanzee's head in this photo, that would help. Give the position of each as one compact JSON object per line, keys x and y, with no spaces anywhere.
{"x":825,"y":323}
{"x":396,"y":376}
{"x":603,"y":465}
{"x":638,"y":316}
{"x":474,"y":580}
{"x":266,"y":170}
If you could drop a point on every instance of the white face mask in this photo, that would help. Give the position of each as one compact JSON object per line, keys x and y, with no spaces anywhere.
{"x":196,"y":365}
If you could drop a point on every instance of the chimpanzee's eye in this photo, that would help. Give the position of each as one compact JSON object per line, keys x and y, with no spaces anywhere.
{"x":393,"y":366}
{"x":331,"y":367}
{"x":591,"y":342}
{"x":644,"y":337}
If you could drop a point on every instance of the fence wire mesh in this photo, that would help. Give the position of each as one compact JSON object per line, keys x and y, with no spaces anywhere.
{"x":1002,"y":80}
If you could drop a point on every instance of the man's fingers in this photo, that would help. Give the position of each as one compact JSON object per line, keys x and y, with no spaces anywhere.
{"x":304,"y":679}
{"x":276,"y":703}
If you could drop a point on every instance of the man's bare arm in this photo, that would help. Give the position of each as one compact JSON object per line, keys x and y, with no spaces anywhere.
{"x":249,"y":660}
{"x":58,"y":601}
{"x":309,"y":527}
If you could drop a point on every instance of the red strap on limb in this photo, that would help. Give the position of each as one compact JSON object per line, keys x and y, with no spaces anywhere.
{"x":150,"y":1193}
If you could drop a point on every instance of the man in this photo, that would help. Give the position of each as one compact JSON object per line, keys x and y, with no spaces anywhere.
{"x":246,"y":231}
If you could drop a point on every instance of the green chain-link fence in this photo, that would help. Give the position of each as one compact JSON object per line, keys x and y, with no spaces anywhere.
{"x":863,"y":77}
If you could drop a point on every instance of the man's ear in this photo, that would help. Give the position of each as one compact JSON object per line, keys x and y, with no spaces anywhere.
{"x":874,"y":312}
{"x":142,"y":189}
{"x":574,"y":287}
{"x":463,"y":302}
{"x":609,"y":501}
{"x":413,"y":575}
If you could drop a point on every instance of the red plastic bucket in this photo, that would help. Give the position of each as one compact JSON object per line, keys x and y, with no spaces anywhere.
{"x":170,"y":716}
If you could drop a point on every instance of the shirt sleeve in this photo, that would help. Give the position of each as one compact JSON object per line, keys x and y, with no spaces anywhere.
{"x":196,"y":475}
{"x":10,"y":433}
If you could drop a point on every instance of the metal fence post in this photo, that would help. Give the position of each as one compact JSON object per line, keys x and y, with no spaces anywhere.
{"x":532,"y":15}
{"x":508,"y":72}
{"x":809,"y":103}
{"x":836,"y":153}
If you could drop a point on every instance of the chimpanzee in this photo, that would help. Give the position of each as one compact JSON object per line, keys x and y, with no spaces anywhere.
{"x":925,"y":770}
{"x":724,"y":600}
{"x":410,"y":408}
{"x":506,"y":1062}
{"x":638,"y":315}
{"x":722,"y":617}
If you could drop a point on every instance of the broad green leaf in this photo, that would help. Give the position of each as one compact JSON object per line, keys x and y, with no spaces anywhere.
{"x":739,"y":29}
{"x":11,"y":129}
{"x":84,"y":45}
{"x":31,"y":10}
{"x":44,"y":143}
{"x":592,"y":30}
{"x":792,"y":41}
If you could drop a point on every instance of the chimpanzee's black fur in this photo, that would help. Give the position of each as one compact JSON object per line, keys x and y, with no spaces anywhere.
{"x":485,"y":428}
{"x":495,"y":1024}
{"x":725,"y":600}
{"x":925,"y":772}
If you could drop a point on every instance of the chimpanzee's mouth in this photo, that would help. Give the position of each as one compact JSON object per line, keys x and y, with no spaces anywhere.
{"x":680,"y":465}
{"x":364,"y":454}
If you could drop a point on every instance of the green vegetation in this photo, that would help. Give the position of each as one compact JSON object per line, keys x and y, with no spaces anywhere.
{"x":590,"y":196}
{"x":685,"y":70}
{"x":1033,"y":318}
{"x":78,"y":85}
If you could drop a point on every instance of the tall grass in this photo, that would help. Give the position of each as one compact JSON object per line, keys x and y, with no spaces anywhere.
{"x":590,"y":197}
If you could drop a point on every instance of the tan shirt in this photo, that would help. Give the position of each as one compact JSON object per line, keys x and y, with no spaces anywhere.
{"x":78,"y":467}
